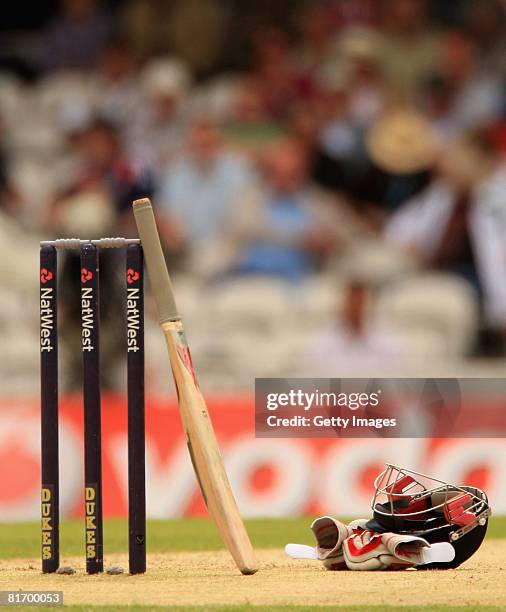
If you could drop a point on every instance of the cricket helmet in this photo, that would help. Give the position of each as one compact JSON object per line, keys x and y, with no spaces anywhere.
{"x":407,"y":502}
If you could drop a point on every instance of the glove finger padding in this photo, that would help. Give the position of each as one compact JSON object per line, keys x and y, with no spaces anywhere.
{"x":358,"y":525}
{"x":368,"y":550}
{"x":330,"y":535}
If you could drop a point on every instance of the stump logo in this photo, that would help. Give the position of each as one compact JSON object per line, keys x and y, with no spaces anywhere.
{"x":86,"y":275}
{"x":132,"y":276}
{"x":91,"y":521}
{"x":45,"y":275}
{"x":133,"y":316}
{"x":47,"y":514}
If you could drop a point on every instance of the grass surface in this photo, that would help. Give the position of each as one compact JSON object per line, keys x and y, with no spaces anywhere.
{"x":21,"y":540}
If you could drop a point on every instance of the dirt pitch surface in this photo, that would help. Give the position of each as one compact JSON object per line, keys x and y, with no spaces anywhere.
{"x":187,"y":578}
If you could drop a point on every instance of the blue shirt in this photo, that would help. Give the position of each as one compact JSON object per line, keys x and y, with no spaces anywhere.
{"x":201,"y":199}
{"x":288,"y":217}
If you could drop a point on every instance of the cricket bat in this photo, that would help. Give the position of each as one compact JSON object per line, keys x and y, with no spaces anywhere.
{"x":201,"y":439}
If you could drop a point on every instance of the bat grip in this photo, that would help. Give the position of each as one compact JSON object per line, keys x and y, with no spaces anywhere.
{"x":155,"y":261}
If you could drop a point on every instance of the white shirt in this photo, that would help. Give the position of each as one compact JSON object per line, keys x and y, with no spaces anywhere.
{"x":335,"y":352}
{"x":421,"y":222}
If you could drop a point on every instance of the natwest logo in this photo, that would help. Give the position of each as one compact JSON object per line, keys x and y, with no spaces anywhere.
{"x":87,"y":318}
{"x":45,"y":275}
{"x":132,"y":276}
{"x":47,"y":319}
{"x":133,"y":315}
{"x":86,"y":275}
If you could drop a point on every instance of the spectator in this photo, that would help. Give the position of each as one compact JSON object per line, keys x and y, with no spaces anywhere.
{"x":486,"y":24}
{"x":360,"y":52}
{"x":478,"y":92}
{"x":120,"y":99}
{"x":458,"y":223}
{"x":355,"y":91}
{"x":274,"y":70}
{"x":340,"y":142}
{"x":76,"y":37}
{"x":156,"y":132}
{"x":381,"y":169}
{"x":250,"y":126}
{"x":97,"y":198}
{"x":284,"y":226}
{"x":197,"y":192}
{"x":410,"y":47}
{"x":402,"y":151}
{"x":356,"y":343}
{"x":316,"y":48}
{"x":437,"y":99}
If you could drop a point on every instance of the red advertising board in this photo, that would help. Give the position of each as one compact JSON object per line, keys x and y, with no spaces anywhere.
{"x":271,"y":477}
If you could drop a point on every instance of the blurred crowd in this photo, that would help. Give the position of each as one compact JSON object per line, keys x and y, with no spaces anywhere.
{"x":330,"y":169}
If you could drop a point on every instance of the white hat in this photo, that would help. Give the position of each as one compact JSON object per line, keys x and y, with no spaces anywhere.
{"x":402,"y":141}
{"x":166,"y":77}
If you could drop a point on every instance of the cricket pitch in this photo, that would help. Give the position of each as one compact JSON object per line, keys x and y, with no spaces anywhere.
{"x":210,"y":578}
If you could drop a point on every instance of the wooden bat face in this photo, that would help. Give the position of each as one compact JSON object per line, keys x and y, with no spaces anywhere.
{"x":205,"y":452}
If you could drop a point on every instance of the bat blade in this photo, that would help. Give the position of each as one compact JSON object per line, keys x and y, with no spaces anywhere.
{"x":205,"y":452}
{"x":200,"y":436}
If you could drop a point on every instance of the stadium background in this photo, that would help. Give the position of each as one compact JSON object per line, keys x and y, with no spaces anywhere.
{"x":237,"y":117}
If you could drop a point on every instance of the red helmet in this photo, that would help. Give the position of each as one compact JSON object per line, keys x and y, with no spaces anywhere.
{"x":408,"y":502}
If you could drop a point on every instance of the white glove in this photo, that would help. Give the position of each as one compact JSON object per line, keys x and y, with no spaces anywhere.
{"x":330,"y":535}
{"x":367,"y":550}
{"x":355,"y":547}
